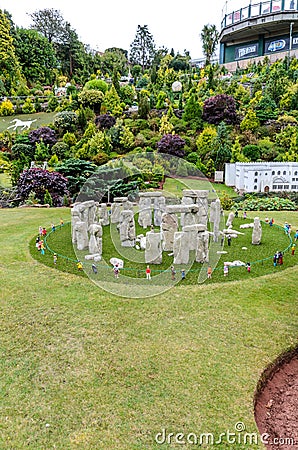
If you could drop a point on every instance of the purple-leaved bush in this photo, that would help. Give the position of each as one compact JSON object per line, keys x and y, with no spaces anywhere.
{"x":38,"y":181}
{"x":45,"y":134}
{"x":105,"y":121}
{"x":171,"y":144}
{"x":220,"y":108}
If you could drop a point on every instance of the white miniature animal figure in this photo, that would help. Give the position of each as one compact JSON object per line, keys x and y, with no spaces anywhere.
{"x":21,"y":123}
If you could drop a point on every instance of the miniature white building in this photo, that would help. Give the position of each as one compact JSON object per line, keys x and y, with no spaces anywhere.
{"x":262,"y":176}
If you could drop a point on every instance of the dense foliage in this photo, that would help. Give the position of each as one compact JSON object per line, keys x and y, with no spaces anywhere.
{"x":266,"y":204}
{"x":119,"y":102}
{"x":220,"y":108}
{"x":171,"y":144}
{"x":43,"y":134}
{"x":42,"y":183}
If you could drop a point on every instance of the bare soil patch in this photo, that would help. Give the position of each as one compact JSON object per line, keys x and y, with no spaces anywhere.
{"x":276,"y":403}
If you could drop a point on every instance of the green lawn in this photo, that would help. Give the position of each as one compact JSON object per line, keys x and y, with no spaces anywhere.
{"x":175,"y":186}
{"x":42,"y":119}
{"x":83,"y":369}
{"x":260,"y":257}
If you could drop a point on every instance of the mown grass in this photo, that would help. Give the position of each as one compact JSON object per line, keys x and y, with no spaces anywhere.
{"x":41,"y":119}
{"x":83,"y":369}
{"x":175,"y":186}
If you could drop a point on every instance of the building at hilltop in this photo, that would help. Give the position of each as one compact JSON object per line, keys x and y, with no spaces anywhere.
{"x":259,"y":30}
{"x":262,"y":176}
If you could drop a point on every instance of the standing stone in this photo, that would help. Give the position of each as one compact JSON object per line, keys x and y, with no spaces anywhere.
{"x":75,"y":218}
{"x":87,"y":212}
{"x":169,"y":226}
{"x":202,"y":201}
{"x":189,"y":218}
{"x":159,"y":209}
{"x":185,"y":201}
{"x":145,"y":212}
{"x":200,"y":198}
{"x":153,"y":251}
{"x":215,"y":211}
{"x":191,"y":234}
{"x":257,"y":232}
{"x":81,"y":236}
{"x":180,"y":249}
{"x":103,"y":214}
{"x":116,"y":208}
{"x":202,"y":252}
{"x":91,"y":213}
{"x":187,"y":212}
{"x":127,"y":229}
{"x":95,"y":241}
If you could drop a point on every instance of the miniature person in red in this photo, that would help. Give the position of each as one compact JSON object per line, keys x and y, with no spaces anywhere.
{"x":148,"y":273}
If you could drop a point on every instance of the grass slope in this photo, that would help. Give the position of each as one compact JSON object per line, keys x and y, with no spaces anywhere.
{"x":82,"y":369}
{"x":41,"y":119}
{"x":174,"y":187}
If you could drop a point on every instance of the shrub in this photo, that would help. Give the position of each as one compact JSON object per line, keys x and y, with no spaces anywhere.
{"x":39,"y":181}
{"x":53,"y":161}
{"x":171,"y":144}
{"x":98,"y":85}
{"x":100,"y":142}
{"x":4,"y":165}
{"x":53,"y":103}
{"x":6,"y":108}
{"x":69,"y":139}
{"x":252,"y":203}
{"x":28,"y":106}
{"x":48,"y":198}
{"x":31,"y":200}
{"x":220,"y":108}
{"x":100,"y":158}
{"x":105,"y":121}
{"x":92,"y":98}
{"x":226,"y":202}
{"x":43,"y":134}
{"x":22,"y":151}
{"x":252,"y":152}
{"x":61,"y":150}
{"x":66,"y":120}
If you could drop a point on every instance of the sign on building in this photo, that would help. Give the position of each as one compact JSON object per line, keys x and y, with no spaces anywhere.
{"x":247,"y":51}
{"x":280,"y":44}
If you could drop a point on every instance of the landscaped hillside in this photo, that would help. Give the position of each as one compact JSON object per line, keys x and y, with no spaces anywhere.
{"x":116,"y":104}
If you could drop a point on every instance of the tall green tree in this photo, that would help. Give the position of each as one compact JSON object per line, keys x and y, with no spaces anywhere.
{"x":193,"y":112}
{"x":72,"y":55}
{"x":209,"y":38}
{"x":114,"y":59}
{"x":224,"y":153}
{"x":36,"y":56}
{"x":277,"y":83}
{"x":142,"y":49}
{"x":50,"y":23}
{"x":10,"y":70}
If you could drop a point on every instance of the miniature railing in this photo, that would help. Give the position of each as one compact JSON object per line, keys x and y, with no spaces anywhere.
{"x":139,"y":273}
{"x":259,"y":9}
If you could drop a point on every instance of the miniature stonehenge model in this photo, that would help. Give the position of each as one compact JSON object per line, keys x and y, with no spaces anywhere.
{"x":179,"y":228}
